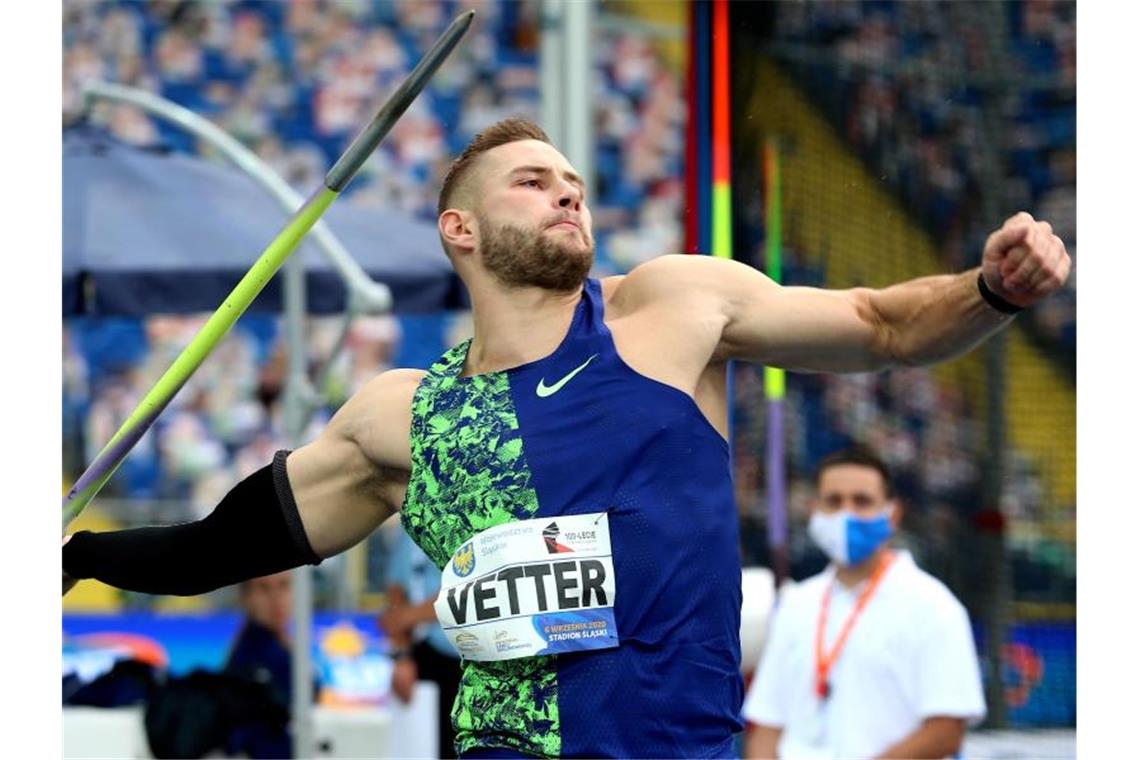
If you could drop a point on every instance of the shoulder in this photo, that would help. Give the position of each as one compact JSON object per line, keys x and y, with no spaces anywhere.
{"x":670,"y":271}
{"x":395,"y":384}
{"x":677,"y":280}
{"x":804,"y":595}
{"x":671,"y":276}
{"x":394,"y":381}
{"x":250,"y":637}
{"x":919,"y":589}
{"x":386,"y":393}
{"x":378,"y":416}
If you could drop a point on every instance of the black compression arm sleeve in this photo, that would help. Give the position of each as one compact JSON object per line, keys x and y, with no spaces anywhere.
{"x":255,"y":530}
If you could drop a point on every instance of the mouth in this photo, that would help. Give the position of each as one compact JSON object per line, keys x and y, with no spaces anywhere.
{"x":564,"y":224}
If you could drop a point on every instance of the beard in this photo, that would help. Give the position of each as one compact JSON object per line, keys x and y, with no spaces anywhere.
{"x":522,"y":257}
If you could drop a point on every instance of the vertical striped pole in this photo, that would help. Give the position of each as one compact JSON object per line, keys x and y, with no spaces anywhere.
{"x":773,"y":376}
{"x":722,"y":177}
{"x":704,"y":125}
{"x":708,"y":176}
{"x":692,"y":198}
{"x":721,"y":135}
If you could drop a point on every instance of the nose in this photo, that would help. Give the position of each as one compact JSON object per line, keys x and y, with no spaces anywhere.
{"x":570,"y":197}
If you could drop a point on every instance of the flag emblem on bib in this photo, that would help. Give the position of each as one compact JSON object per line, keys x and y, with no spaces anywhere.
{"x":464,"y":561}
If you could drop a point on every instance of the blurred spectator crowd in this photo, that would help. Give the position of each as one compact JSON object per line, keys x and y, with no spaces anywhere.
{"x":296,"y":80}
{"x":228,"y":420}
{"x":950,"y":102}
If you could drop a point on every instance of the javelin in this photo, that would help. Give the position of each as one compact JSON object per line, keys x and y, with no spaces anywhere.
{"x":271,"y":259}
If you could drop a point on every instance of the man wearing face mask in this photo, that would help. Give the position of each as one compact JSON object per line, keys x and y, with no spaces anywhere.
{"x":873,"y":657}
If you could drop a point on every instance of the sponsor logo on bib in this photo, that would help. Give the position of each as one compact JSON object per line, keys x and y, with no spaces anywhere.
{"x":550,"y":536}
{"x":467,"y":643}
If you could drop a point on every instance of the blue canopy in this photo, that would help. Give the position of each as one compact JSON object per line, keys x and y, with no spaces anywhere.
{"x":148,"y":232}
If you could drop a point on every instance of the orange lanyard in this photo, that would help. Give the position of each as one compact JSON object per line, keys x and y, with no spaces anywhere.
{"x":825,"y":661}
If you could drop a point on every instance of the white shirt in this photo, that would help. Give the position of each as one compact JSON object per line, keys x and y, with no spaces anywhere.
{"x":910,"y":656}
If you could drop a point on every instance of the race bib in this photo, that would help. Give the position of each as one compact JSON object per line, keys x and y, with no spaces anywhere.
{"x":529,"y":588}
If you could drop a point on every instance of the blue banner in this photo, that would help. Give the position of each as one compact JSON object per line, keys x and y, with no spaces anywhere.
{"x":1039,"y":672}
{"x":349,"y":650}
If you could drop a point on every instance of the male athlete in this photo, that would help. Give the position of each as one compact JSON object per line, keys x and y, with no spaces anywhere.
{"x":567,"y":467}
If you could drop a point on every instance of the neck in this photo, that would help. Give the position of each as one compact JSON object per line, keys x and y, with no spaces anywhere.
{"x":852,"y":575}
{"x":514,"y":326}
{"x":281,"y":634}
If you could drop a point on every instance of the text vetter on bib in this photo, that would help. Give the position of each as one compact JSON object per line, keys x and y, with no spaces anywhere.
{"x":532,"y":587}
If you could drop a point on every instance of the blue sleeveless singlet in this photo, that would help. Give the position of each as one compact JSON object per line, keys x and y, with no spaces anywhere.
{"x":580,"y":432}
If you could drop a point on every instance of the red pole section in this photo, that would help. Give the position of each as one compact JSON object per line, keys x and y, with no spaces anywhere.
{"x":721,"y":134}
{"x":692,"y":201}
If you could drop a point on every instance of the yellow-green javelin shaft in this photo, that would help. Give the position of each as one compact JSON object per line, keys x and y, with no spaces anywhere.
{"x":194,"y":354}
{"x":108,"y":460}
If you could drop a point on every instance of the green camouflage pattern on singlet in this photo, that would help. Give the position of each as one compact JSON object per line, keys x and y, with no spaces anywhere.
{"x":468,"y":474}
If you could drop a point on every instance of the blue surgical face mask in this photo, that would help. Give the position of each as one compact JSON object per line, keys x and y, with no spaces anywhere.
{"x":848,"y":539}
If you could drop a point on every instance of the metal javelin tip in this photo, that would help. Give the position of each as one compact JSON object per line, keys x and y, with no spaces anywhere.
{"x":362,"y":146}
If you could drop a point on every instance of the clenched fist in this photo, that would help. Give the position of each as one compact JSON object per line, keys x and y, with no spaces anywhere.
{"x":1024,"y":261}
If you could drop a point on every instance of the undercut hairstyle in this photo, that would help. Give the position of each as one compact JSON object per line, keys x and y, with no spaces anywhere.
{"x":502,"y":132}
{"x":861,"y":456}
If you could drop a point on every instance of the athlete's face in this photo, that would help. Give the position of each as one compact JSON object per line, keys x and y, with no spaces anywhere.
{"x":534,"y":228}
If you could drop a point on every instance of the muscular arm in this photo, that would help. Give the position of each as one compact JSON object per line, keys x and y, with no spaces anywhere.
{"x":318,"y":501}
{"x":762,"y":742}
{"x":352,"y":478}
{"x":921,"y":321}
{"x":936,"y":737}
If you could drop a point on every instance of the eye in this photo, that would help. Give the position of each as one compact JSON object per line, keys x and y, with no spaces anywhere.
{"x":531,"y":183}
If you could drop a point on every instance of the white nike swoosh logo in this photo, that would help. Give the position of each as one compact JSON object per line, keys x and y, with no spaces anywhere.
{"x":543,"y":390}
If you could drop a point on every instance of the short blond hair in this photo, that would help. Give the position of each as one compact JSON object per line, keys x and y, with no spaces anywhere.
{"x":502,"y":132}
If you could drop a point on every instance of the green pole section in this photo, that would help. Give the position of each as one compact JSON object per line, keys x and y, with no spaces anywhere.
{"x":722,"y":220}
{"x":773,"y":244}
{"x":774,"y":383}
{"x":773,"y":216}
{"x":776,"y":461}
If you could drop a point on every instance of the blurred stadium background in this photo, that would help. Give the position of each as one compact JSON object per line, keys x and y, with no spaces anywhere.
{"x":906,"y":132}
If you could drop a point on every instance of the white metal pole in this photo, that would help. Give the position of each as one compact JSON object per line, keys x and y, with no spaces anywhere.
{"x":552,"y":74}
{"x":579,"y":89}
{"x":373,"y":297}
{"x":296,"y":412}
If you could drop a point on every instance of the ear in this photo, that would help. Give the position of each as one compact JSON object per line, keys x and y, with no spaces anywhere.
{"x":896,"y":508}
{"x":458,"y":229}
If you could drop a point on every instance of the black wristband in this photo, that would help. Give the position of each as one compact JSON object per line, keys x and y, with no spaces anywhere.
{"x":994,"y":300}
